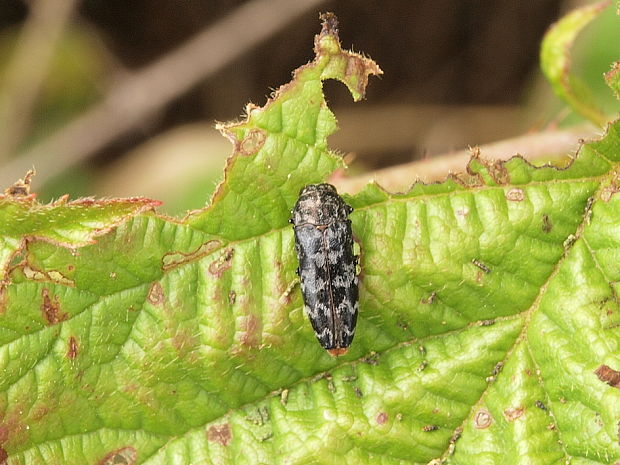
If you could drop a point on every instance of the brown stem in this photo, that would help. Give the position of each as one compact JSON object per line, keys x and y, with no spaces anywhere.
{"x":551,"y":144}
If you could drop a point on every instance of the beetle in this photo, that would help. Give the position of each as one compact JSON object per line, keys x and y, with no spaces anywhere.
{"x":327,"y":265}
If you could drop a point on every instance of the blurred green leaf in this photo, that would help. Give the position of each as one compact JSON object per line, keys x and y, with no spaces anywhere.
{"x":489,"y":328}
{"x":77,"y":76}
{"x":555,"y":60}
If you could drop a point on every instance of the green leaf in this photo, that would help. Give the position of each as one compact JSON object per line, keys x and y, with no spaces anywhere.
{"x":555,"y":61}
{"x":489,"y":327}
{"x":68,"y":224}
{"x":282,"y":146}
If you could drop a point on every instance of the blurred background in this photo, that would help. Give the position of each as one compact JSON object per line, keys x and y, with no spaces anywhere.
{"x":118,"y":98}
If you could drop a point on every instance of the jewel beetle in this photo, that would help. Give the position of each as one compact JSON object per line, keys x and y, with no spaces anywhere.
{"x":327,"y":265}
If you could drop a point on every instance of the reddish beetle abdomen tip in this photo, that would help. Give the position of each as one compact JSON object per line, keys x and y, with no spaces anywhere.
{"x":338,"y":352}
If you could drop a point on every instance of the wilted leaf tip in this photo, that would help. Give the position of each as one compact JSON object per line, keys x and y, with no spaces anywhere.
{"x":21,"y":188}
{"x":329,"y":28}
{"x":356,"y":69}
{"x":290,"y":130}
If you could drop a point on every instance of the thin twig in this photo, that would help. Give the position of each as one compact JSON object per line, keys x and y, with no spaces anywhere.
{"x":550,"y":144}
{"x":150,"y":89}
{"x":28,"y":68}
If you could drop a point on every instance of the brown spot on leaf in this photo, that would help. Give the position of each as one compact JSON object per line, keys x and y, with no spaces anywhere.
{"x":608,"y":375}
{"x":51,"y":308}
{"x":355,"y":67}
{"x":429,"y":428}
{"x":382,"y":418}
{"x":252,"y":142}
{"x":608,"y":191}
{"x":463,"y":211}
{"x":122,"y":456}
{"x":72,"y":350}
{"x":12,"y":428}
{"x":184,"y":341}
{"x":515,"y":195}
{"x":498,"y":171}
{"x":482,"y":419}
{"x":224,"y":262}
{"x":2,"y":298}
{"x":251,"y":331}
{"x":547,"y":225}
{"x":40,"y":412}
{"x":220,"y":434}
{"x":131,"y":387}
{"x":232,"y":297}
{"x":3,"y":456}
{"x":512,"y":413}
{"x":174,"y":259}
{"x":156,"y":294}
